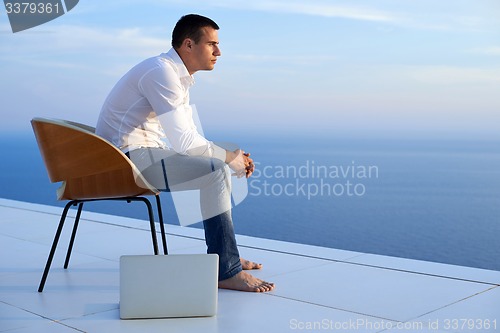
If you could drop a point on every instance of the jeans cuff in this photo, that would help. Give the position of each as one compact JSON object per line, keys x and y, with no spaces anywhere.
{"x":235,"y":270}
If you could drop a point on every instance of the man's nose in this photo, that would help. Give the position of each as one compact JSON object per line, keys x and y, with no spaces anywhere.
{"x":217,"y":51}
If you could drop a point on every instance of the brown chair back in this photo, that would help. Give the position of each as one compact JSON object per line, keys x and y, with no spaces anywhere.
{"x":89,"y":166}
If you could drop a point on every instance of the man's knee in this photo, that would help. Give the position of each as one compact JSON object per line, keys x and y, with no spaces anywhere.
{"x":218,"y":164}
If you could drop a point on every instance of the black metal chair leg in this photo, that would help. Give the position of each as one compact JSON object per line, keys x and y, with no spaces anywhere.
{"x":73,"y":234}
{"x":151,"y":223}
{"x":162,"y":225}
{"x":54,"y":246}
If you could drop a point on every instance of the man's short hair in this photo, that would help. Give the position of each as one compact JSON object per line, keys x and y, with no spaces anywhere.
{"x":190,"y":26}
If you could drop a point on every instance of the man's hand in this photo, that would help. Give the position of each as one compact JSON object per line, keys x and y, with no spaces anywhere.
{"x":250,"y":167}
{"x":240,"y":162}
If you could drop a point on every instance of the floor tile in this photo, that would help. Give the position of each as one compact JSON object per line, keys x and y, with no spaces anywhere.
{"x":294,"y":248}
{"x":274,"y":263}
{"x":14,"y":318}
{"x":20,"y":256}
{"x":377,"y":292}
{"x":237,"y":312}
{"x":46,"y":327}
{"x":79,"y":291}
{"x":26,"y":225}
{"x":459,"y":272}
{"x":479,"y":313}
{"x":111,"y":242}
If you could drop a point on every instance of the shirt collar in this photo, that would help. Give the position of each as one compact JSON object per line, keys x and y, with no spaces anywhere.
{"x":181,"y":68}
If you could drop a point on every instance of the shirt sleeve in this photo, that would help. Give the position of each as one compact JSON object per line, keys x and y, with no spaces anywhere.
{"x":163,"y":90}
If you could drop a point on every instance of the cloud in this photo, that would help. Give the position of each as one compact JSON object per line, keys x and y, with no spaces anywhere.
{"x":449,"y":75}
{"x":445,"y":15}
{"x":284,"y":59}
{"x":63,"y":63}
{"x":490,"y":51}
{"x":322,"y":9}
{"x":79,"y":41}
{"x":309,"y":7}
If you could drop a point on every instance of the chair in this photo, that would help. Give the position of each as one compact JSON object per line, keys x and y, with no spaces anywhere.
{"x":90,"y":169}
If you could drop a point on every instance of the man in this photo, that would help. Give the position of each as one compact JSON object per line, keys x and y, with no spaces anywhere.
{"x":150,"y":103}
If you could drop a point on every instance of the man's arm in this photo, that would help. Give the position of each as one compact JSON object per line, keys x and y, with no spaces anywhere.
{"x":163,"y":90}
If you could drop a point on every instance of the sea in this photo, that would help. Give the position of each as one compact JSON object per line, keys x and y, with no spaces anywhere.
{"x":427,"y":199}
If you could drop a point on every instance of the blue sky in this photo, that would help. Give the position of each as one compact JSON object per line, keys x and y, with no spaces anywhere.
{"x":389,"y":67}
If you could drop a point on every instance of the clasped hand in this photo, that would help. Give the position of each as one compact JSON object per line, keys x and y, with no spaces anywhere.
{"x":241,"y":163}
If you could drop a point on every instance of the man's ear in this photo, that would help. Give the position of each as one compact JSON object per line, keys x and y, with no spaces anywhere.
{"x":188,"y":44}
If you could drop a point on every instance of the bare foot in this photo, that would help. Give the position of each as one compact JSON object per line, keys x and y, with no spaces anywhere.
{"x":246,"y":282}
{"x":247,"y":264}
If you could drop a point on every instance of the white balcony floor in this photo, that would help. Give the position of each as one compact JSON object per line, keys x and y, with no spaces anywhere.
{"x":317,"y":289}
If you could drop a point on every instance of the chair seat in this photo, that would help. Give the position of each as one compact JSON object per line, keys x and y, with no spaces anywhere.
{"x":113,"y":184}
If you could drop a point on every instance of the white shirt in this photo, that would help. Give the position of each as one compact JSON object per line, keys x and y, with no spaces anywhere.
{"x":151,"y":103}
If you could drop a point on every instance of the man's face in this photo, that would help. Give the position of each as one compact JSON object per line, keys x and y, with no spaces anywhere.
{"x":205,"y":53}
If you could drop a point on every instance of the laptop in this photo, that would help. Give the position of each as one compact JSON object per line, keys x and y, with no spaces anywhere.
{"x":166,"y":286}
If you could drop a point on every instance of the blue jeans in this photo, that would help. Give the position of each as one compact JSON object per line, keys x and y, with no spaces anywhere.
{"x":169,"y":171}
